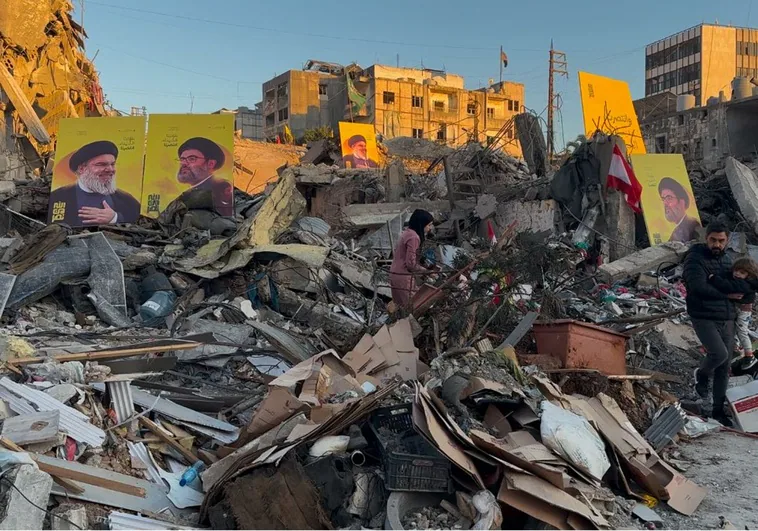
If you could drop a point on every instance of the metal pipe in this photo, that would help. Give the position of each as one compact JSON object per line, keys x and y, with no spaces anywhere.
{"x":358,"y":458}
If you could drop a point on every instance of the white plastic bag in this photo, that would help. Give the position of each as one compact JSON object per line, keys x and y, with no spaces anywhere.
{"x":331,"y":444}
{"x":574,"y":439}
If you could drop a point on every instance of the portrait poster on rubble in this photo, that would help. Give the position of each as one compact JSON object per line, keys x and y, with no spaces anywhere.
{"x":668,"y":204}
{"x":189,"y":156}
{"x":97,"y":177}
{"x":358,"y":146}
{"x":607,"y":106}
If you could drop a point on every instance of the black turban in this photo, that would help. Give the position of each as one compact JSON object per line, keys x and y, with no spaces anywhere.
{"x":90,"y":151}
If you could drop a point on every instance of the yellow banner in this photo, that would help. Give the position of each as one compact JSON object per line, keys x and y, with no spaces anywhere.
{"x":189,"y":152}
{"x":668,"y":203}
{"x":358,"y":145}
{"x":607,"y":106}
{"x":97,"y":177}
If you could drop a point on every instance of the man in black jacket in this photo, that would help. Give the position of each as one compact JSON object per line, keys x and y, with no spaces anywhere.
{"x":713,"y":314}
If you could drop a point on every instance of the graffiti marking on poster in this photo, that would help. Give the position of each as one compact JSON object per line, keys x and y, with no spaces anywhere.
{"x":97,"y":177}
{"x":607,"y":106}
{"x":189,"y":157}
{"x":358,"y":146}
{"x":668,"y":203}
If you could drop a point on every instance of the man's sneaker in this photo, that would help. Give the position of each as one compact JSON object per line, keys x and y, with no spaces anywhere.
{"x":701,"y":387}
{"x":748,"y":362}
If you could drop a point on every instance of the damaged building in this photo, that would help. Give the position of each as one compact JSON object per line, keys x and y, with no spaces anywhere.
{"x":703,"y":135}
{"x":400,"y":102}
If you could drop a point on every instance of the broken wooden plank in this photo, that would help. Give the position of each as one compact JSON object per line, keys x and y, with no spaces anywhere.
{"x":34,"y":428}
{"x":90,"y":475}
{"x":23,"y":107}
{"x":109,"y":354}
{"x":189,"y":456}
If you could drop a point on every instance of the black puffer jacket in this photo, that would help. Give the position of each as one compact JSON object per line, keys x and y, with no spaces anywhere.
{"x":704,"y":301}
{"x":748,"y":286}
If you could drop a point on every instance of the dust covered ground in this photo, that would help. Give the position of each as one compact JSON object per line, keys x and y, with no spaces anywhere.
{"x":727,"y":465}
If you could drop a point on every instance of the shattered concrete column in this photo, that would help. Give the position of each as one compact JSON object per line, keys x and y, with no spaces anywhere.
{"x":670,"y":253}
{"x":619,"y":226}
{"x":395,"y":181}
{"x":15,"y":511}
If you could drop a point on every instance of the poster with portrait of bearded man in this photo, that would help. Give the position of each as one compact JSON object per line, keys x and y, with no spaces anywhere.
{"x":97,"y":177}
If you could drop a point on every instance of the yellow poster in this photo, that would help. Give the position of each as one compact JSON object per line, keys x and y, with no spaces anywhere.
{"x":97,"y":177}
{"x":192,"y":156}
{"x":358,"y":145}
{"x":668,"y":203}
{"x":607,"y":106}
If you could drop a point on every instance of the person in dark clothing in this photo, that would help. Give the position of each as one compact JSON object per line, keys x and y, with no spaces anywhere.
{"x":93,"y":199}
{"x":744,"y":279}
{"x":199,"y":158}
{"x":712,"y":313}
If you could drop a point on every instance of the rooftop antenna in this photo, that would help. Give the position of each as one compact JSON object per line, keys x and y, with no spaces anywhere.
{"x":398,"y":60}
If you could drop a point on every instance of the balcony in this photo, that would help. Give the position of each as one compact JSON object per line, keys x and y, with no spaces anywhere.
{"x":447,"y":115}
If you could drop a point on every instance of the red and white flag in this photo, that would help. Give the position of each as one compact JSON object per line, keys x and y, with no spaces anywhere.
{"x":621,"y":177}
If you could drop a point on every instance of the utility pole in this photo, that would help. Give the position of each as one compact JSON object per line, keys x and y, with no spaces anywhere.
{"x":558,"y":66}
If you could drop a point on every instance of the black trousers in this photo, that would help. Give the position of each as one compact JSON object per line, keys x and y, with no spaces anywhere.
{"x":717,"y":338}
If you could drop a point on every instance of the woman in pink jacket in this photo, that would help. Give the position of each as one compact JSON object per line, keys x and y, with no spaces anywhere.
{"x":405,"y":262}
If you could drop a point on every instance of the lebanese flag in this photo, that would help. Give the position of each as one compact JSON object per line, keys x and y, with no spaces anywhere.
{"x":621,"y":177}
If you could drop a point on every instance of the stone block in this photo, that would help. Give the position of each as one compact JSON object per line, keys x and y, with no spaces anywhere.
{"x":69,"y":514}
{"x":15,"y":511}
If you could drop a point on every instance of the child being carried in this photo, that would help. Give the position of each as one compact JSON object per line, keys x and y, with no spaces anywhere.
{"x":744,"y":280}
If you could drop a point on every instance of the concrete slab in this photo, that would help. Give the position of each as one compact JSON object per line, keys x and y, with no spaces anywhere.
{"x":744,"y":187}
{"x":642,"y":261}
{"x":69,"y":518}
{"x":15,"y":511}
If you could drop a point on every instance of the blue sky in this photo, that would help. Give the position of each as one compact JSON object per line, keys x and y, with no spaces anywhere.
{"x":211,"y":54}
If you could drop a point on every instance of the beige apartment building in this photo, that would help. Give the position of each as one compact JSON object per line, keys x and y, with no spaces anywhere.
{"x":410,"y":102}
{"x":702,"y":61}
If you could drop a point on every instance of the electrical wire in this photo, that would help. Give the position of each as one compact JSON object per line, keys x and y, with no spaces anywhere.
{"x":52,"y":515}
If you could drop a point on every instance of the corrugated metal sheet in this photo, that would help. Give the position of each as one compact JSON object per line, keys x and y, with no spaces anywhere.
{"x":217,"y":435}
{"x":125,"y":521}
{"x":315,"y":225}
{"x":140,"y":451}
{"x":121,"y":398}
{"x":16,"y":403}
{"x":175,"y":411}
{"x":75,"y":424}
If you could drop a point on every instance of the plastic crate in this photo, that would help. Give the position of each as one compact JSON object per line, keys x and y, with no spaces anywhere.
{"x":420,"y":467}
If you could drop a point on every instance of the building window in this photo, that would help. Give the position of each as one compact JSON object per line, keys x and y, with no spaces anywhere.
{"x":322,"y":89}
{"x":471,"y":109}
{"x":510,"y":105}
{"x":509,"y":134}
{"x":681,"y":119}
{"x":442,"y":132}
{"x":418,"y":133}
{"x":417,"y":101}
{"x":439,"y":105}
{"x":281,"y":90}
{"x":270,"y":120}
{"x":516,"y":105}
{"x":388,"y":98}
{"x":713,"y":143}
{"x":490,"y":112}
{"x":283,"y":114}
{"x":660,"y":144}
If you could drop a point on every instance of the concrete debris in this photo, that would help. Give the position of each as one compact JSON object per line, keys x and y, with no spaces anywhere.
{"x":24,"y":495}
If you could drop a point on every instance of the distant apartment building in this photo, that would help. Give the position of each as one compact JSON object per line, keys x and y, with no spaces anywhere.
{"x":702,"y":61}
{"x":248,"y":123}
{"x":410,"y":102}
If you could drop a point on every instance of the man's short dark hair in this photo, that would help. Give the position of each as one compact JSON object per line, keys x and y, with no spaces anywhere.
{"x":667,"y":183}
{"x":208,"y":148}
{"x":716,"y":226}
